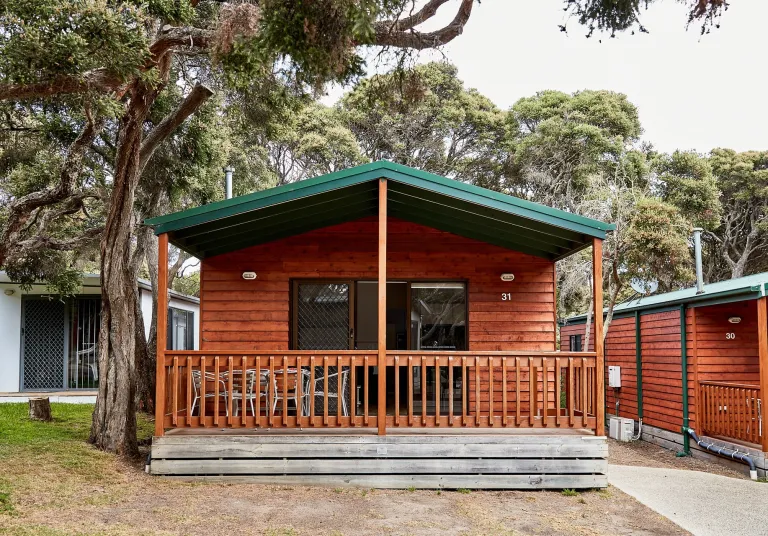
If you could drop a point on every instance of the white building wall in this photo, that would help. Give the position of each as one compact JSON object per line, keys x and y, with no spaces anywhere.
{"x":10,"y":339}
{"x":146,"y":312}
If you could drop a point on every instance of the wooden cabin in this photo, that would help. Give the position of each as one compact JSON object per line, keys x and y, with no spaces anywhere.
{"x":380,"y":326}
{"x":690,"y":360}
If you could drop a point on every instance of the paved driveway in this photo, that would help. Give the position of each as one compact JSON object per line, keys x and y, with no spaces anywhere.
{"x":702,"y":503}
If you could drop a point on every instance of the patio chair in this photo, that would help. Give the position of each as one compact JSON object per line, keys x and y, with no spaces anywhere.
{"x":291,"y":379}
{"x":200,"y":390}
{"x":337,"y":389}
{"x":247,"y":392}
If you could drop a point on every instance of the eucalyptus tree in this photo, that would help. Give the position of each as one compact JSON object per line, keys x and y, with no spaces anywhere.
{"x":424,"y":117}
{"x":557,"y":141}
{"x":111,"y":61}
{"x":741,"y":241}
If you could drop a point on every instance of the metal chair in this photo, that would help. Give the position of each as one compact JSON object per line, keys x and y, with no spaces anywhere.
{"x":337,"y":388}
{"x":244,"y":389}
{"x":288,"y":381}
{"x":199,"y":389}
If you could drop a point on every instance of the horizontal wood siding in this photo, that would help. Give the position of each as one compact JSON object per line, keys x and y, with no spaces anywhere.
{"x":254,"y":315}
{"x":620,"y":351}
{"x":722,"y":359}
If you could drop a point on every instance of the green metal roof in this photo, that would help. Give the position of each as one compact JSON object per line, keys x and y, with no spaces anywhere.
{"x":749,"y":287}
{"x":412,"y":195}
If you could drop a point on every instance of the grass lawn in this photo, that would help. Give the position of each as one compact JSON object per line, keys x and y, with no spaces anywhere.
{"x":53,"y":483}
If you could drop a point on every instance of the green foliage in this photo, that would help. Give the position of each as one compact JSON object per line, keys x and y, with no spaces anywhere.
{"x":427,"y":119}
{"x":614,"y":16}
{"x":314,"y":41}
{"x":189,"y":285}
{"x":558,"y":141}
{"x":657,"y":244}
{"x":44,"y":39}
{"x":685,"y":180}
{"x":570,"y":492}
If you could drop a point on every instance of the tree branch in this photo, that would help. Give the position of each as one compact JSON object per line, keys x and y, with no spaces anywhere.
{"x":410,"y":38}
{"x":46,"y":242}
{"x":399,"y":25}
{"x":22,"y":209}
{"x":98,"y":79}
{"x":165,"y":128}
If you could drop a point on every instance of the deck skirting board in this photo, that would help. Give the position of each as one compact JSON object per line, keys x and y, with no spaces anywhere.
{"x":516,"y":462}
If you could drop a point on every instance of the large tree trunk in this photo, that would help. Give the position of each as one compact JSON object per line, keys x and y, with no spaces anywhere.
{"x":114,"y":417}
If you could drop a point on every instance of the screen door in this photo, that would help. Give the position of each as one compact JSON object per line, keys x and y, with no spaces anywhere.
{"x":322,"y":313}
{"x":43,"y":344}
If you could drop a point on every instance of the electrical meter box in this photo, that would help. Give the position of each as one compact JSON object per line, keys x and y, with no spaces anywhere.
{"x":614,"y":376}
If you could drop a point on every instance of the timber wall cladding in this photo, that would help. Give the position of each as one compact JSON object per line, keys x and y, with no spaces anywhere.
{"x":713,"y":355}
{"x":254,"y":315}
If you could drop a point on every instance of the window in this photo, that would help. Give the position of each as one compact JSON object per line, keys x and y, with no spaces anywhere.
{"x":181,"y":329}
{"x":575,"y":343}
{"x":438,"y":316}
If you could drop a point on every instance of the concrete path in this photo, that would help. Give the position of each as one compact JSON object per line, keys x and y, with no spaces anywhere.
{"x":702,"y":503}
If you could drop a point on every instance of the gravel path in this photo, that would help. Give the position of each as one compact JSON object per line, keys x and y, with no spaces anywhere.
{"x":703,"y":503}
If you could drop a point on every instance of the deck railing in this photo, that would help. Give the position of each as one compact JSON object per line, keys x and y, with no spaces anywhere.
{"x":731,"y":410}
{"x":324,"y":389}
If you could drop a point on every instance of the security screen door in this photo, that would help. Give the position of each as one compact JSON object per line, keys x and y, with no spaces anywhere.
{"x":43,"y":343}
{"x":322,"y":313}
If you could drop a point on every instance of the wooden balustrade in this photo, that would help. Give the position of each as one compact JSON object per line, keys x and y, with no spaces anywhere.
{"x":493,"y":389}
{"x":730,"y":410}
{"x":288,"y":389}
{"x":424,"y":389}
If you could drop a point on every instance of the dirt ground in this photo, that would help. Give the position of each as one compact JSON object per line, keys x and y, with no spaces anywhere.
{"x":646,"y":454}
{"x":133,"y":503}
{"x":53,"y":483}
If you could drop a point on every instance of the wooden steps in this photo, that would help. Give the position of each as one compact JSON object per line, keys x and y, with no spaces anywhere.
{"x":392,"y":461}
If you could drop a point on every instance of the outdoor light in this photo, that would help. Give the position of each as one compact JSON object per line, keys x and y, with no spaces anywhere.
{"x":734,"y":319}
{"x":9,"y":292}
{"x":507,"y":277}
{"x":249,"y":275}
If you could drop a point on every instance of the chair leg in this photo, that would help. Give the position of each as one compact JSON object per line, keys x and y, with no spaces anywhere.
{"x":253,"y":411}
{"x":194,"y":403}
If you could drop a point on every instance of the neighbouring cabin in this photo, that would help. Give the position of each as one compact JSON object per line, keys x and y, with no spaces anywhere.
{"x":726,"y":349}
{"x":50,"y":343}
{"x":380,"y":314}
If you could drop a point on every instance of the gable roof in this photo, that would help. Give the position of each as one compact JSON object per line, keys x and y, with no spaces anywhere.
{"x":350,"y":194}
{"x":749,"y":287}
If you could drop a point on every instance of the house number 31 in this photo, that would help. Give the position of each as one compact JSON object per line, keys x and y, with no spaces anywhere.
{"x":506,"y":296}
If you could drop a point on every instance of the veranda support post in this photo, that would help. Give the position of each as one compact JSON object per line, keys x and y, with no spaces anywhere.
{"x":597,"y":279}
{"x":162,"y":332}
{"x":762,"y":344}
{"x":382,"y":324}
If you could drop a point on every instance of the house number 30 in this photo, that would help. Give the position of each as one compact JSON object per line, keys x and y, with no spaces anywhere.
{"x":730,"y":336}
{"x":506,"y":296}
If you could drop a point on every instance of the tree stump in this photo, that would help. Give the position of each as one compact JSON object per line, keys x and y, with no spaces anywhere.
{"x":40,"y":409}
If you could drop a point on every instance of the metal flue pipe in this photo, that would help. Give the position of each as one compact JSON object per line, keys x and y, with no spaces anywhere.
{"x":697,"y":251}
{"x":228,"y":182}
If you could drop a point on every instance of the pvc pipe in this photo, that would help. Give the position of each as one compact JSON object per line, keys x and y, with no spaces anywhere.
{"x":722,"y":451}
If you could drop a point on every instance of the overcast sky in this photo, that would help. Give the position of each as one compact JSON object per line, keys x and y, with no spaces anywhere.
{"x":692,"y":91}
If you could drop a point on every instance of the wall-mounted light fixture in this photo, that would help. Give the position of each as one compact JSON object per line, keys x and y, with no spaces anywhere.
{"x":249,"y":275}
{"x":734,"y":319}
{"x":508,"y":277}
{"x":9,"y":292}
